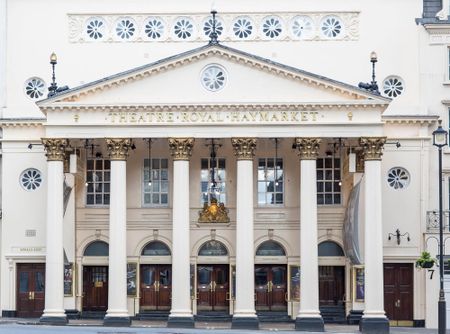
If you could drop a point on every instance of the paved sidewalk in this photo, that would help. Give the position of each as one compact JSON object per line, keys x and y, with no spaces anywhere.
{"x":18,"y":325}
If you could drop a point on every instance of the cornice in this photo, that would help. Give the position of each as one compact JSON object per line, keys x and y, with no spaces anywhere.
{"x":437,"y":28}
{"x":18,"y":122}
{"x":223,"y":52}
{"x":410,"y":119}
{"x":358,"y":104}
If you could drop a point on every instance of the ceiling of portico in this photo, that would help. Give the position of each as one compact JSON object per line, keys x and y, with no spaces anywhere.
{"x":177,"y":80}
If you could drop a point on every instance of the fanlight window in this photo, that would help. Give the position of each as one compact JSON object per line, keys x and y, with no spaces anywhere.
{"x":213,"y":248}
{"x":270,"y":248}
{"x":330,"y":248}
{"x":156,"y":248}
{"x":97,"y":248}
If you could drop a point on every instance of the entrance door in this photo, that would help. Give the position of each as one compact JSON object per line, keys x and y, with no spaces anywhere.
{"x":156,"y":287}
{"x":331,"y":285}
{"x":213,"y":287}
{"x":30,"y":290}
{"x":271,"y":288}
{"x":398,"y":293}
{"x":95,"y":288}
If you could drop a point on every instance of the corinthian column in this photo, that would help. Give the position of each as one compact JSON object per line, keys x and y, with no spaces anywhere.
{"x":117,"y":313}
{"x":181,"y":312}
{"x":308,"y":318}
{"x":374,"y":319}
{"x":244,"y":313}
{"x":54,"y":261}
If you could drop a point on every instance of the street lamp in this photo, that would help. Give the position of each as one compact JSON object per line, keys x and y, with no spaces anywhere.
{"x":440,"y":137}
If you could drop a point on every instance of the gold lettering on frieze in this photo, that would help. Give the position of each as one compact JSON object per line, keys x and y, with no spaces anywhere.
{"x":208,"y":117}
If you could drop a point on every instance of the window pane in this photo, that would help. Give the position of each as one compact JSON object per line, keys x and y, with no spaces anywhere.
{"x":98,"y":199}
{"x":337,"y":199}
{"x":107,"y":176}
{"x":261,"y":163}
{"x":328,"y":163}
{"x":279,"y":198}
{"x":155,"y":198}
{"x":320,"y":175}
{"x":23,"y":282}
{"x":204,"y":164}
{"x":147,"y":198}
{"x":106,"y":199}
{"x":90,"y":199}
{"x":328,"y":199}
{"x":328,"y":187}
{"x":98,"y":164}
{"x":261,"y":186}
{"x":204,"y":175}
{"x":164,"y":199}
{"x":222,"y":163}
{"x":90,"y":164}
{"x":261,"y":198}
{"x":261,"y":174}
{"x":155,"y":163}
{"x":279,"y":187}
{"x":107,"y":164}
{"x":90,"y":187}
{"x":164,"y":187}
{"x":164,"y":174}
{"x":155,"y":186}
{"x":319,"y":187}
{"x":328,"y":175}
{"x":164,"y":163}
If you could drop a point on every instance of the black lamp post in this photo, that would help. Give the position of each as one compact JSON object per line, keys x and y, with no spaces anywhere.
{"x":371,"y":86}
{"x":440,"y":139}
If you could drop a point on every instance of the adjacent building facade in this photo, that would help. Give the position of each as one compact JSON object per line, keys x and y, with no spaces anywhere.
{"x":226,"y":166}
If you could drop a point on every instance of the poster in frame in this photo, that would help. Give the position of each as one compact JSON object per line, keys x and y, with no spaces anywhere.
{"x":358,"y":284}
{"x":68,"y":279}
{"x":131,"y":278}
{"x":294,"y":283}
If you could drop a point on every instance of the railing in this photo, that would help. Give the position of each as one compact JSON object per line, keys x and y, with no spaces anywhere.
{"x":433,"y":221}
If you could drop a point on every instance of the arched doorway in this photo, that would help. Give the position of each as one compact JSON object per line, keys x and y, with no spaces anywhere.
{"x":155,"y":278}
{"x":213,"y":279}
{"x":271,"y":278}
{"x":95,"y":279}
{"x":332,"y":281}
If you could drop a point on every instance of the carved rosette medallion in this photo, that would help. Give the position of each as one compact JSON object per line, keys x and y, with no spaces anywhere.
{"x":181,"y":148}
{"x":372,"y":147}
{"x":308,"y":148}
{"x":118,"y":148}
{"x":244,"y":148}
{"x":55,"y":148}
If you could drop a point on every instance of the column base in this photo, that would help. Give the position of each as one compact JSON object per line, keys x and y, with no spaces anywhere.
{"x":8,"y":314}
{"x":374,"y":325}
{"x":117,"y":321}
{"x":181,"y":322}
{"x":53,"y":321}
{"x":245,"y":323}
{"x":306,"y":324}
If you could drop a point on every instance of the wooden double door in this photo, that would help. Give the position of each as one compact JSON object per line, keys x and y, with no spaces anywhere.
{"x":271,"y":287}
{"x":156,"y":287}
{"x":95,"y":288}
{"x":30,"y":290}
{"x":213,"y":284}
{"x":331,"y":285}
{"x":399,"y":293}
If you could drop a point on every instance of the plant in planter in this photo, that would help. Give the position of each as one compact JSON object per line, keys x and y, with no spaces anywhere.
{"x":425,"y":261}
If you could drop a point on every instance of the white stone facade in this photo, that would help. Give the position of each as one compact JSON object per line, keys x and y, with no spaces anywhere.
{"x":293,"y":80}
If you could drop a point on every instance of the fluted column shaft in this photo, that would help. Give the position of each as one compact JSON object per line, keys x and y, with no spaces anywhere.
{"x":308,"y":318}
{"x":181,"y":312}
{"x":244,"y":313}
{"x":374,"y":319}
{"x":117,"y":313}
{"x":54,"y":260}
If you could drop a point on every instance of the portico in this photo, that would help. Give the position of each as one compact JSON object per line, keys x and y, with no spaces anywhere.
{"x":307,"y":112}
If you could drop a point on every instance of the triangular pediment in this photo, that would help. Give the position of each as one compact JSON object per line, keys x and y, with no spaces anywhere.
{"x":248,"y":79}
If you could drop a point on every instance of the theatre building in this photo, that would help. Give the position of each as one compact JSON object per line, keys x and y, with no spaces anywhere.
{"x":222,"y":166}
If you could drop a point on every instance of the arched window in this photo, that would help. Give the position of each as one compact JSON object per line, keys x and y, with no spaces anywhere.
{"x":330,"y":248}
{"x":270,"y":248}
{"x":97,"y":248}
{"x":213,"y":248}
{"x":156,"y":248}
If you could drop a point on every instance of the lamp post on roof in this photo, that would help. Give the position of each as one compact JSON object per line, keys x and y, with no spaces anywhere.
{"x":213,"y":35}
{"x":372,"y":86}
{"x":53,"y":86}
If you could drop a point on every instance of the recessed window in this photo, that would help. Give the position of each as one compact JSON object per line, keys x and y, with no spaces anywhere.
{"x":270,"y":248}
{"x":156,"y":248}
{"x":208,"y":190}
{"x":207,"y":26}
{"x":183,"y":28}
{"x":213,"y":78}
{"x":328,"y":181}
{"x":243,"y":27}
{"x":97,"y":248}
{"x":272,"y":27}
{"x":125,"y":28}
{"x":98,"y":181}
{"x":156,"y":182}
{"x":213,"y":248}
{"x":393,"y":86}
{"x":331,"y":26}
{"x":302,"y":27}
{"x":154,"y":28}
{"x":35,"y":88}
{"x":270,"y":183}
{"x":31,"y":179}
{"x":398,"y":178}
{"x":95,"y":28}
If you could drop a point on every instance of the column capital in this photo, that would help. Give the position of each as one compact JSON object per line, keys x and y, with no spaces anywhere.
{"x":308,"y":148}
{"x":55,"y":148}
{"x":244,"y":148}
{"x":181,"y":148}
{"x":118,"y":148}
{"x":372,"y":147}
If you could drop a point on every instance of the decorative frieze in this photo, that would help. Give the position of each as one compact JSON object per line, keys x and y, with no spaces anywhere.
{"x":181,"y":148}
{"x":308,"y":148}
{"x":230,"y":27}
{"x":55,"y":148}
{"x":118,"y":148}
{"x":244,"y":148}
{"x":372,"y":147}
